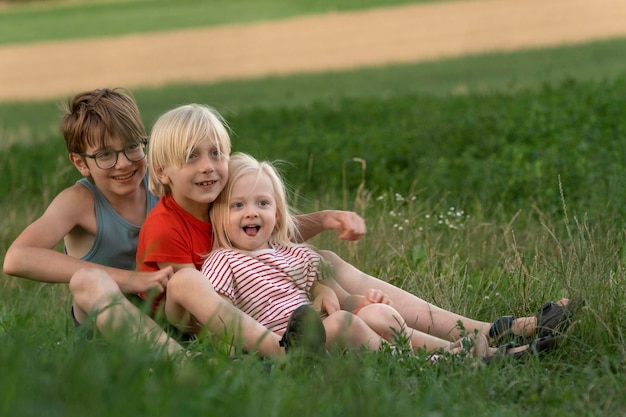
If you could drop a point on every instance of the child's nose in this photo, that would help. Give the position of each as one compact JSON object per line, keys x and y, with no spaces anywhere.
{"x":207,"y":164}
{"x":122,"y":160}
{"x":252,"y":212}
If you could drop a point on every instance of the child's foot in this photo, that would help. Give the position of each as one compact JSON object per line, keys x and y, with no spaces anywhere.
{"x":552,"y":319}
{"x":475,"y":344}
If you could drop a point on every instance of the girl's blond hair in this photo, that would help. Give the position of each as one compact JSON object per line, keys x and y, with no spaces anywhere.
{"x":177,"y":133}
{"x":285,"y":232}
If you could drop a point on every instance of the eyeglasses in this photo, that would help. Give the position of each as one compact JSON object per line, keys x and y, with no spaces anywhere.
{"x":106,"y":159}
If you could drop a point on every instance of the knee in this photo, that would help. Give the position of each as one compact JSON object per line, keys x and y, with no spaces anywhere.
{"x":89,"y":284}
{"x":189,"y":283}
{"x":338,"y":321}
{"x":380,"y":311}
{"x":185,"y":280}
{"x":383,"y":318}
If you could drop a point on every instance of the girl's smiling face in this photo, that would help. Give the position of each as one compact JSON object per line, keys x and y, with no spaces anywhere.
{"x":251,"y":212}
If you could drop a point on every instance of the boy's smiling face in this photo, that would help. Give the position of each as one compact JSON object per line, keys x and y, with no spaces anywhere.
{"x":196,"y":184}
{"x":123,"y":178}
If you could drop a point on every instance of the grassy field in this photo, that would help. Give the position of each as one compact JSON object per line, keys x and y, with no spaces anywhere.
{"x":24,"y":22}
{"x":490,"y":184}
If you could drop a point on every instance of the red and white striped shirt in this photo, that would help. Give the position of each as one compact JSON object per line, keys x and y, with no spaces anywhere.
{"x":268,"y":285}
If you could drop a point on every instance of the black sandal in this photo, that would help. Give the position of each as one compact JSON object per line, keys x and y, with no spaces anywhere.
{"x":501,"y":328}
{"x":535,"y":348}
{"x":552,"y":319}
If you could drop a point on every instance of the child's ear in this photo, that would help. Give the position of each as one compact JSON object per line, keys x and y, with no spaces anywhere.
{"x":80,"y":164}
{"x":162,"y":175}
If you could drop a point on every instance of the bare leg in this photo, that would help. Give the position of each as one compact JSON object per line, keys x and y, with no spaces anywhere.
{"x":419,"y":314}
{"x":346,"y":330}
{"x":192,"y":303}
{"x":388,"y":323}
{"x":95,"y":291}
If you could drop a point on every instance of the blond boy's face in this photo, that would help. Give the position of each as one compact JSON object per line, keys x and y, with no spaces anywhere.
{"x":196,"y":184}
{"x":251,"y":212}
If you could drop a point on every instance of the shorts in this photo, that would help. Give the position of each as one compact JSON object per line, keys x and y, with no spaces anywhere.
{"x":89,"y":330}
{"x":135,"y":299}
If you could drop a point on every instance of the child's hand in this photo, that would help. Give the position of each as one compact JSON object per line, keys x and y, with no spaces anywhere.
{"x":325,"y":300}
{"x":375,"y":296}
{"x":148,"y":282}
{"x":350,"y":225}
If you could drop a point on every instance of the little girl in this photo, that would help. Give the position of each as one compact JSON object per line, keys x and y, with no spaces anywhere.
{"x":256,"y":266}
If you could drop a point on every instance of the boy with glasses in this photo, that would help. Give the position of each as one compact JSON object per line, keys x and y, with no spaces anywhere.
{"x":98,"y":219}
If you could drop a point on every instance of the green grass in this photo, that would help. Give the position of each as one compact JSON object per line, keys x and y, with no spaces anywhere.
{"x":491,"y":185}
{"x":37,"y":121}
{"x":505,"y":253}
{"x":69,"y":20}
{"x":486,"y":73}
{"x":482,"y":268}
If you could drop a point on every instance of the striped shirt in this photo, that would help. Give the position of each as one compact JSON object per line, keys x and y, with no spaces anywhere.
{"x":268,"y":285}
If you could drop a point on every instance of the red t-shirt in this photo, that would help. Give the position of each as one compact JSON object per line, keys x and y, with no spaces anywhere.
{"x":172,"y":235}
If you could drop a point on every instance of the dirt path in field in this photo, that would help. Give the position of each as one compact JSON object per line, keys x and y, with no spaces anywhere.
{"x":333,"y":41}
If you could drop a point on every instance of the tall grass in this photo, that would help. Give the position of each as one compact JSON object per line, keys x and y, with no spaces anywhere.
{"x":445,"y":226}
{"x":469,"y":263}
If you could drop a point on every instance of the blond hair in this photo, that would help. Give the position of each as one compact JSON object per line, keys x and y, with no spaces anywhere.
{"x":285,"y":232}
{"x":177,"y":133}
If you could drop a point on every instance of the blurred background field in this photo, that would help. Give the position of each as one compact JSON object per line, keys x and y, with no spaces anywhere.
{"x":27,"y":21}
{"x":490,"y":184}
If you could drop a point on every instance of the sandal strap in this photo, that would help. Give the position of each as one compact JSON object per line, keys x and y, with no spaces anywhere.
{"x":501,"y":327}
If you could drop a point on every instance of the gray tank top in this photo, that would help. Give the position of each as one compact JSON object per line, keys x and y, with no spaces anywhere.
{"x":115,"y":243}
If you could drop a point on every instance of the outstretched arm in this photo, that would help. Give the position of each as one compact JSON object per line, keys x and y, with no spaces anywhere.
{"x":348,"y":224}
{"x":33,"y":254}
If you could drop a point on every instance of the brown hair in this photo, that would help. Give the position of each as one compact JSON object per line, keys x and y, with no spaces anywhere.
{"x":92,"y":117}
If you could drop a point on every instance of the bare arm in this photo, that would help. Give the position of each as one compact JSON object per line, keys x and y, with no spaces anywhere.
{"x":175,"y":267}
{"x":33,"y":254}
{"x":324,"y":298}
{"x":349,"y":225}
